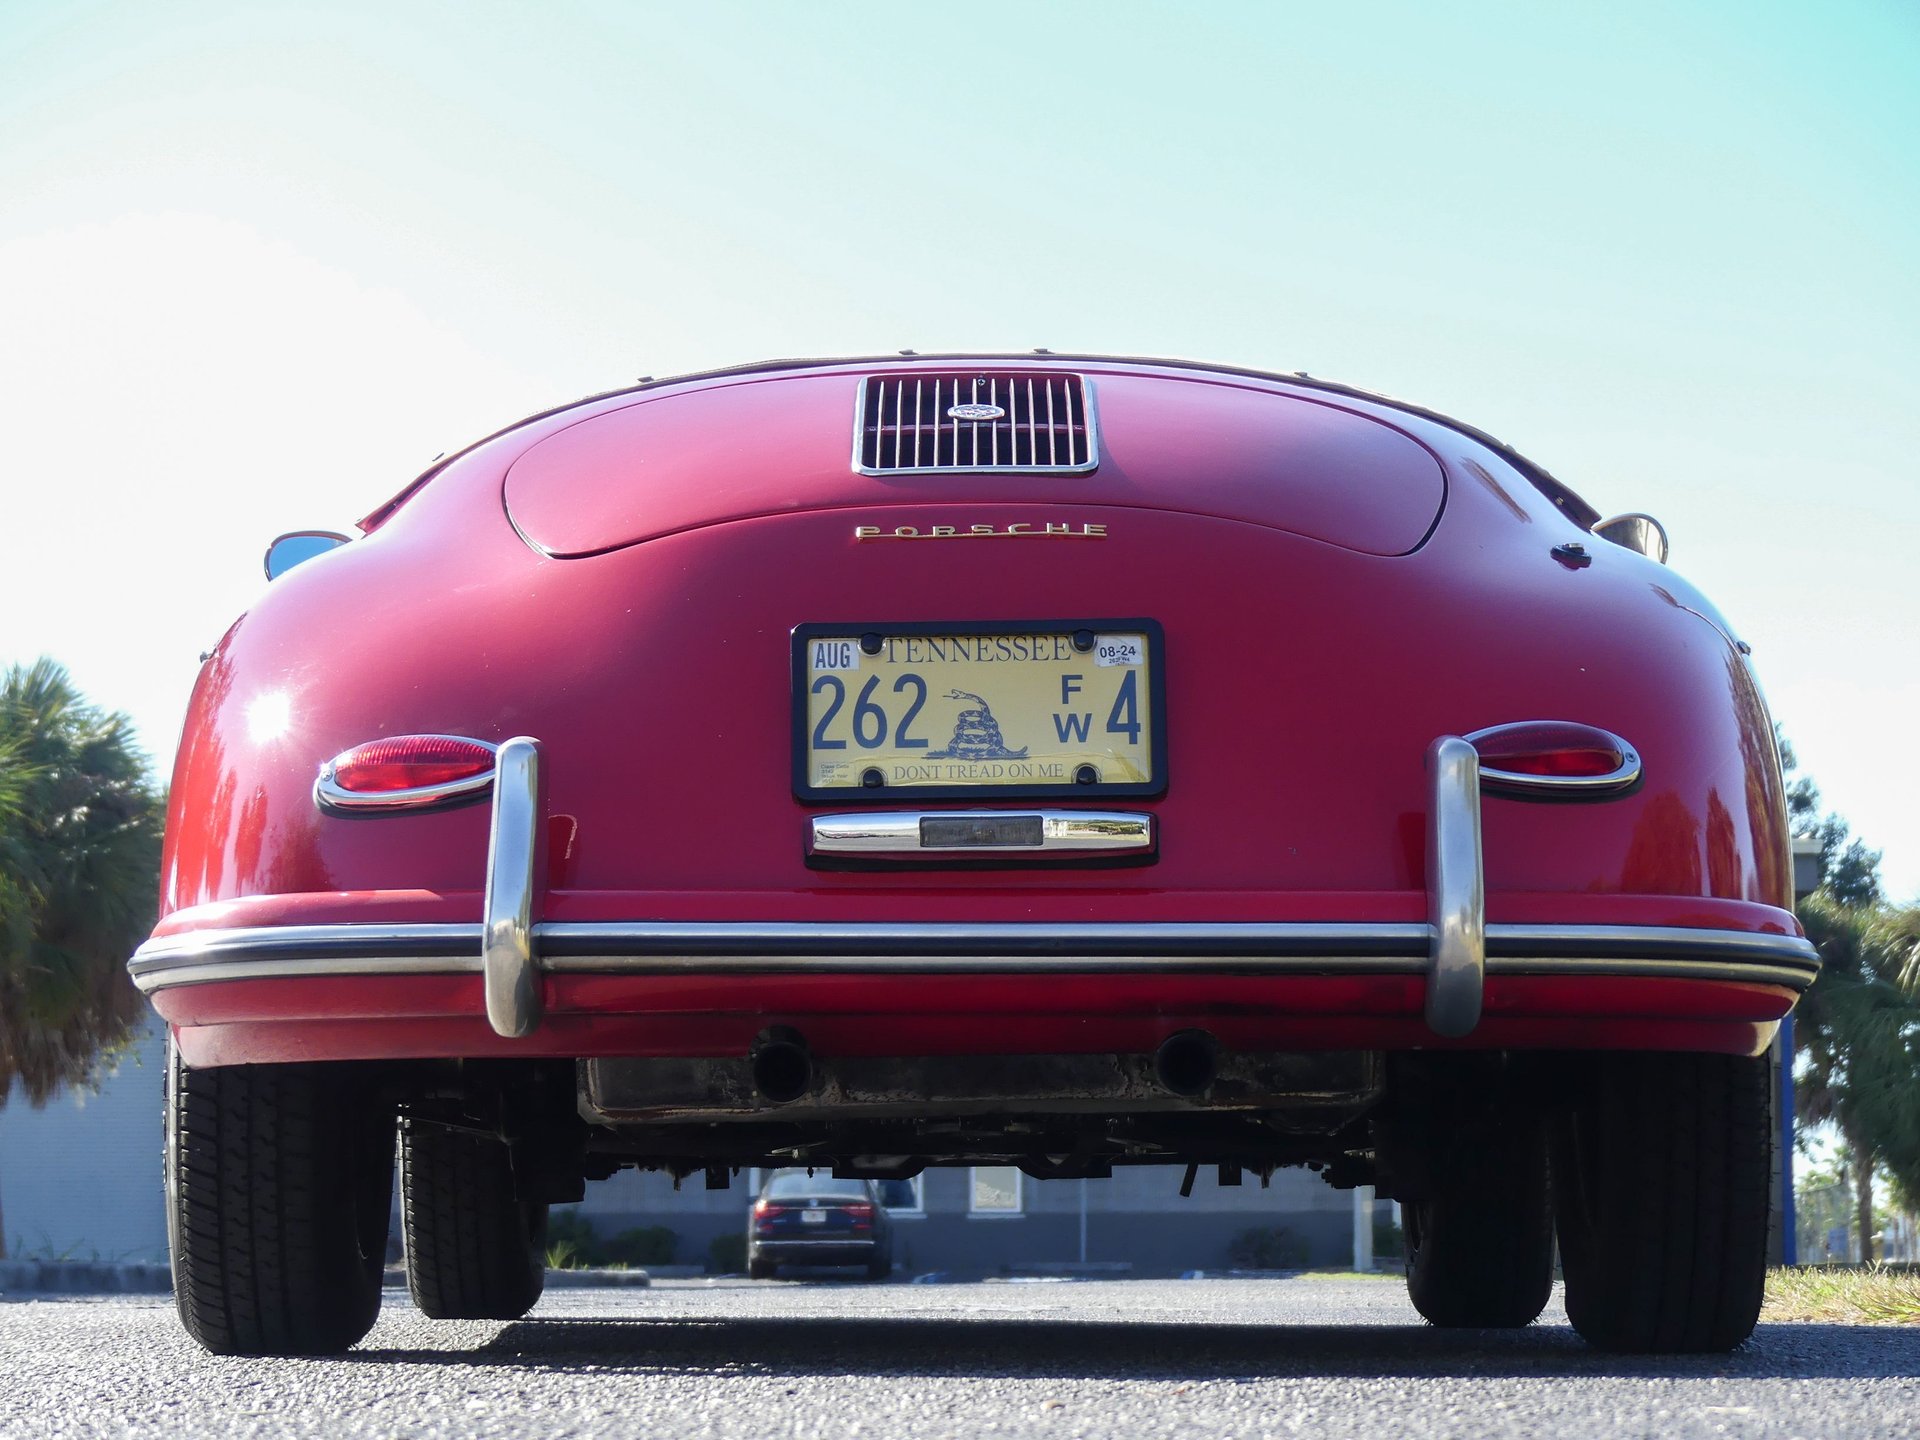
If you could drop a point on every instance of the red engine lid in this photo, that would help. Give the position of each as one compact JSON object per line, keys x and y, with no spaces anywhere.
{"x":780,"y":443}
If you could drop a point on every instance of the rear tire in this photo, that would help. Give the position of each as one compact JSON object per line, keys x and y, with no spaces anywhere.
{"x":1480,"y":1248}
{"x":474,"y":1251}
{"x":279,"y":1187}
{"x":761,"y":1269}
{"x":1661,"y":1187}
{"x":880,"y":1267}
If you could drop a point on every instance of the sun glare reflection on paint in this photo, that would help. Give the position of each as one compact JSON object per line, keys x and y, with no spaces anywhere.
{"x":269,"y":717}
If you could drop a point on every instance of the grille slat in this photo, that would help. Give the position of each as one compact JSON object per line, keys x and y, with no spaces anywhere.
{"x":1033,"y":448}
{"x":896,"y":412}
{"x":1050,"y":433}
{"x":973,"y":426}
{"x":902,"y":429}
{"x":993,"y":431}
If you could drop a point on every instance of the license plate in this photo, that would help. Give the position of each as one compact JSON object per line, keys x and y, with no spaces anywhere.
{"x":1053,"y":708}
{"x":813,"y":1217}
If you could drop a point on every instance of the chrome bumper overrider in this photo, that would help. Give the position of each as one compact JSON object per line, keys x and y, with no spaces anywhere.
{"x":1456,"y":950}
{"x":515,"y":862}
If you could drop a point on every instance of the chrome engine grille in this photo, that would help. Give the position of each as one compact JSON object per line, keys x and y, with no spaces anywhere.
{"x":903,"y":425}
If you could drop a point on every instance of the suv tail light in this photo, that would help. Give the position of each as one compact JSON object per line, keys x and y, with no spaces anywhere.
{"x":405,"y":772}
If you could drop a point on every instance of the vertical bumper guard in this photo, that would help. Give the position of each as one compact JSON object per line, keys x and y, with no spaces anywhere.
{"x":1456,"y":889}
{"x":514,"y":868}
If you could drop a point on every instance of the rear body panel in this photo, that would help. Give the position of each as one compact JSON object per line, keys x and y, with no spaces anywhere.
{"x":1337,"y":583}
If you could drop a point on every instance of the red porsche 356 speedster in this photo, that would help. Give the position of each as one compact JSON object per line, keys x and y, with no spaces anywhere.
{"x":1032,"y":760}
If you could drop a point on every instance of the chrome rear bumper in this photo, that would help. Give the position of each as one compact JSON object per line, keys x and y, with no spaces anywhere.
{"x":1456,"y":950}
{"x":278,"y":952}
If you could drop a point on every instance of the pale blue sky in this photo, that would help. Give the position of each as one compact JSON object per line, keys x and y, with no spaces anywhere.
{"x":258,"y":263}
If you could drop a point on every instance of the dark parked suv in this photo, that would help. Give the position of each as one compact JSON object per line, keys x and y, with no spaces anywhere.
{"x":803,"y":1219}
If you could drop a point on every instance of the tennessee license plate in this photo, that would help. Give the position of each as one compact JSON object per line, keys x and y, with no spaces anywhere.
{"x":1054,"y":708}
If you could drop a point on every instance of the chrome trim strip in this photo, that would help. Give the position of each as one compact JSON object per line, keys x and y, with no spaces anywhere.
{"x":1456,"y":889}
{"x":904,"y":832}
{"x":561,"y":943}
{"x":1622,"y":777}
{"x":1654,"y":941}
{"x":151,"y":979}
{"x":513,"y":870}
{"x":962,"y":962}
{"x":164,"y":977}
{"x":316,"y":941}
{"x":1758,"y":972}
{"x":271,"y":952}
{"x":330,"y":798}
{"x":457,"y":943}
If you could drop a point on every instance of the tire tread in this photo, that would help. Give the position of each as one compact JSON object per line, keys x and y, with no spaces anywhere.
{"x":269,"y":1182}
{"x":1485,"y":1254}
{"x":474,"y":1252}
{"x":1662,"y":1193}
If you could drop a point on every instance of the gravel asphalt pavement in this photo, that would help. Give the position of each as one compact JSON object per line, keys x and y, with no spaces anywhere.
{"x":1229,"y":1357}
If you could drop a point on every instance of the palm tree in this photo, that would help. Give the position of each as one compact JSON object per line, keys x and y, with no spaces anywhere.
{"x":80,"y":831}
{"x":1858,"y":1033}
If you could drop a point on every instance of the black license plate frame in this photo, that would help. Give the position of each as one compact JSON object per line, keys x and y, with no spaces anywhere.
{"x":1072,"y":631}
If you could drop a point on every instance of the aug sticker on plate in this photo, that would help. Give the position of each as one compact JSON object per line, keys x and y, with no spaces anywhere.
{"x":1119,"y":649}
{"x":837,"y":653}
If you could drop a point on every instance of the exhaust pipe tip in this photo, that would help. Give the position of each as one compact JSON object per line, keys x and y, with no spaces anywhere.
{"x":1186,"y":1062}
{"x":782,"y":1065}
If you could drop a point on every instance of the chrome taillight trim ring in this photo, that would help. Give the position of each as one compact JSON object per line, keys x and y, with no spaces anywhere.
{"x":1622,"y":777}
{"x":331,"y":798}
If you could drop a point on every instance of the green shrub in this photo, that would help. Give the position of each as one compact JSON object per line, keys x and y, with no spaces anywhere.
{"x":573,"y":1242}
{"x":571,"y":1238}
{"x":1267,"y":1248}
{"x":727,"y":1254}
{"x":648,"y":1245}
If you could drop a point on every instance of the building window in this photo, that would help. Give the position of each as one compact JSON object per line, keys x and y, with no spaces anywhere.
{"x":996,"y":1190}
{"x":903,"y":1197}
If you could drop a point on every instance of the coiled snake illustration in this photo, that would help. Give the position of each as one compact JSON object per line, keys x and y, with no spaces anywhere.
{"x":976,"y":734}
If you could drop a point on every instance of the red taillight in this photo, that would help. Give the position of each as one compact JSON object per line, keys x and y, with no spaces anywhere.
{"x":1561,"y":757}
{"x":405,"y":770}
{"x":764,"y":1214}
{"x":860,"y":1211}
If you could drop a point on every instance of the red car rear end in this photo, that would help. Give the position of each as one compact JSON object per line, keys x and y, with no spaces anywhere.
{"x":1061,"y":763}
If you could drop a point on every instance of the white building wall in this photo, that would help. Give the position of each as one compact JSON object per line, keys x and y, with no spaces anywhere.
{"x":80,"y":1178}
